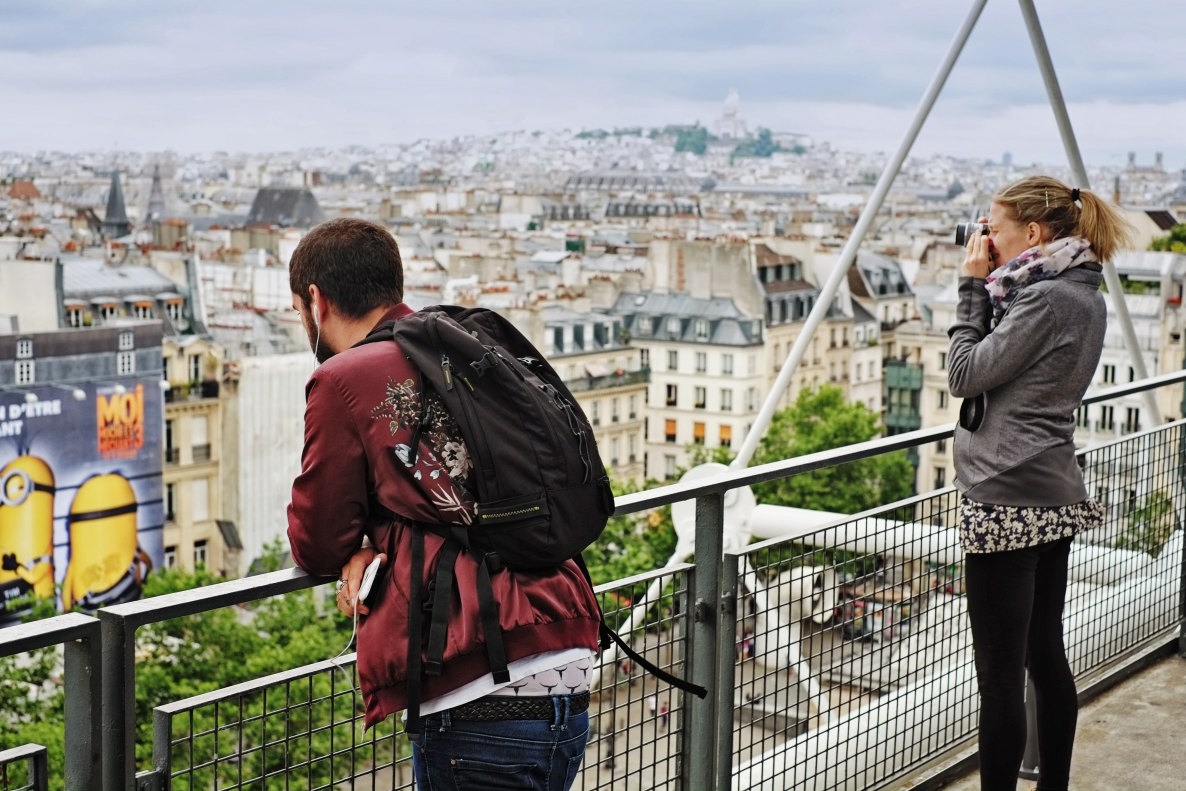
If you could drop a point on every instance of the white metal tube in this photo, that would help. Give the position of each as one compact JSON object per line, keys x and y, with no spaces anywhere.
{"x":849,"y":253}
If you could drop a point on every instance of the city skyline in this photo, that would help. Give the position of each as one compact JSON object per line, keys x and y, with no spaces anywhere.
{"x":215,"y":76}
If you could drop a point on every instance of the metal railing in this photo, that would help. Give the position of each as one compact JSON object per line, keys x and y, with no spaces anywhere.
{"x":837,"y":652}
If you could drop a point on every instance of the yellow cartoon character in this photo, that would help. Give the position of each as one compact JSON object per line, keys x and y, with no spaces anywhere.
{"x":107,"y":565}
{"x":26,"y":531}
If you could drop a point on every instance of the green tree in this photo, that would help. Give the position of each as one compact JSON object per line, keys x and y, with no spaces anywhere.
{"x":1150,"y":525}
{"x":1174,"y":242}
{"x":763,"y":146}
{"x":633,"y":543}
{"x":823,"y":420}
{"x":693,"y":139}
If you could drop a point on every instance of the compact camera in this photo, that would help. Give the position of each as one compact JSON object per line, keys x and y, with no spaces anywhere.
{"x":966,"y":230}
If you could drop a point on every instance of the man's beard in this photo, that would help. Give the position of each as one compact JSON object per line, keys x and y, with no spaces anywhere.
{"x":321,"y":349}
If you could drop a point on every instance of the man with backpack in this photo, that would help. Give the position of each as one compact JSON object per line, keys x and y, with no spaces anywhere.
{"x":488,"y":648}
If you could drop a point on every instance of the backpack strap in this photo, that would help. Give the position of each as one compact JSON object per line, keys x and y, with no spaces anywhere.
{"x":608,"y":635}
{"x":442,"y":603}
{"x":491,"y":629}
{"x":415,"y":627}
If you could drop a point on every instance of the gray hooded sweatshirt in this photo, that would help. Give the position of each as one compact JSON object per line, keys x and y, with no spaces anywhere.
{"x":1033,"y":369}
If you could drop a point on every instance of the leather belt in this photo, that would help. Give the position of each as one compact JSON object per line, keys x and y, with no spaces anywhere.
{"x":505,"y":707}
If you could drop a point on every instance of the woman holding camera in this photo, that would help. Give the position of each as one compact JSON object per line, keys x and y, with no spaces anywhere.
{"x":1025,"y":345}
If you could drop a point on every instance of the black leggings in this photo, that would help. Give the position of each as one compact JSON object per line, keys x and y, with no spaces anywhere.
{"x":1015,"y":603}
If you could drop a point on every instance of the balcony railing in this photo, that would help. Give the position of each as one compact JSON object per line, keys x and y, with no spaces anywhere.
{"x":837,"y":650}
{"x":584,"y":384}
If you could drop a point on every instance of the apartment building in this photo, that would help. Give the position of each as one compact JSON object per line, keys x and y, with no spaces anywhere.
{"x":707,"y":377}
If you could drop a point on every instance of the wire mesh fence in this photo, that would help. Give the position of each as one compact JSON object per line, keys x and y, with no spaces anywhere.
{"x":848,"y":647}
{"x":300,"y":730}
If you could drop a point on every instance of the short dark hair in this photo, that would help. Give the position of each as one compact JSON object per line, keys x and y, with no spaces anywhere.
{"x":355,"y":264}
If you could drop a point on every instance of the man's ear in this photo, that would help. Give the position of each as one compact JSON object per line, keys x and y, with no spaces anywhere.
{"x":315,"y":304}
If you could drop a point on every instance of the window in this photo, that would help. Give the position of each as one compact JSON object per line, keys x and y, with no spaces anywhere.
{"x":1107,"y":416}
{"x":726,"y":363}
{"x":172,"y":454}
{"x":1109,"y":374}
{"x":614,"y":415}
{"x":700,"y":397}
{"x":726,"y":400}
{"x":726,"y":436}
{"x":25,"y":372}
{"x":673,"y":326}
{"x":669,"y":430}
{"x":125,"y":363}
{"x":633,"y":407}
{"x":844,"y":337}
{"x":751,"y":399}
{"x":195,"y":367}
{"x":143,"y":311}
{"x":644,"y":358}
{"x":171,"y":557}
{"x":940,"y":477}
{"x":672,"y":395}
{"x":1132,"y":419}
{"x":200,"y":492}
{"x":698,"y":433}
{"x":669,"y":466}
{"x":74,"y":317}
{"x":942,"y":361}
{"x":200,"y":553}
{"x":199,"y":430}
{"x":941,"y":446}
{"x":632,"y":447}
{"x":1081,"y":417}
{"x":24,"y":348}
{"x":701,"y":329}
{"x":673,"y":361}
{"x":644,"y":325}
{"x":126,"y":341}
{"x":173,"y":309}
{"x":170,"y":494}
{"x":108,"y":312}
{"x":701,"y":362}
{"x":752,"y":364}
{"x":1132,"y":374}
{"x":595,"y":413}
{"x":943,"y":399}
{"x":614,"y":444}
{"x":832,"y":339}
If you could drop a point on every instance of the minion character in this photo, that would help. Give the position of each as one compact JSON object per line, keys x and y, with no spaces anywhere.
{"x":26,"y":532}
{"x":107,"y":565}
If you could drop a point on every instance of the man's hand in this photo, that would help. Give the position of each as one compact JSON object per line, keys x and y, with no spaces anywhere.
{"x":352,"y":578}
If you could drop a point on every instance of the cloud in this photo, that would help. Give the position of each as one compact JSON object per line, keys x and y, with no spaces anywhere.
{"x":272,"y":74}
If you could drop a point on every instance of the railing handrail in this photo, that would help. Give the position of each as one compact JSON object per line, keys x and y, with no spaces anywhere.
{"x":732,"y":479}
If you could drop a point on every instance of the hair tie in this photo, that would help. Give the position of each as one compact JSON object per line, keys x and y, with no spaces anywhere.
{"x":1075,"y":195}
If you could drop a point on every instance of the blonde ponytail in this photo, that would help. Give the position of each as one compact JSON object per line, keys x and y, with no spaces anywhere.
{"x":1050,"y":203}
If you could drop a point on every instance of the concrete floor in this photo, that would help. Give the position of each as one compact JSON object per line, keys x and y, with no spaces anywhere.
{"x":1131,"y":738}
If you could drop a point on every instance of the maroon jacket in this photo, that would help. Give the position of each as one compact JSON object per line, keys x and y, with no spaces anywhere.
{"x":361,"y":407}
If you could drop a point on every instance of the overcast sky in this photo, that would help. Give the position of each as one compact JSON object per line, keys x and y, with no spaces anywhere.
{"x":258,"y":75}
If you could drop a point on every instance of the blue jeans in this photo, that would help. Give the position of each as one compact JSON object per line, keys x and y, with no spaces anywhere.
{"x":538,"y":755}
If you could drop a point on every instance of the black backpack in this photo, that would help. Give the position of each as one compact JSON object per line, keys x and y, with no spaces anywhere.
{"x":542,"y":493}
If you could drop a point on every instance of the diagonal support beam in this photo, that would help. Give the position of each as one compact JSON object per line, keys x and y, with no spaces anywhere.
{"x":1075,"y":159}
{"x":849,"y":253}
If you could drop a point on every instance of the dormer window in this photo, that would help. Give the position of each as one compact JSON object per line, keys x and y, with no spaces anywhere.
{"x":126,"y":341}
{"x":673,"y":325}
{"x":701,"y":329}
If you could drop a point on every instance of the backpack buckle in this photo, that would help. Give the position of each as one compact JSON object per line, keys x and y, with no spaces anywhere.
{"x":486,"y":362}
{"x":493,"y":562}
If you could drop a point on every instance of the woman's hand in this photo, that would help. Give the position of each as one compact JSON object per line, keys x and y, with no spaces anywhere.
{"x":979,"y":260}
{"x":352,"y":578}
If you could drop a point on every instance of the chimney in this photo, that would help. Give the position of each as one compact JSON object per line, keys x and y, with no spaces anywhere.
{"x":1157,"y":161}
{"x":1132,"y":159}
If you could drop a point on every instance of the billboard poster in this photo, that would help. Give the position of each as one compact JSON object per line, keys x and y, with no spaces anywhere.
{"x":81,"y":494}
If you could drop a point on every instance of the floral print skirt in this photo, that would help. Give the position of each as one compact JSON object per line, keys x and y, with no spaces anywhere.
{"x":999,"y":528}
